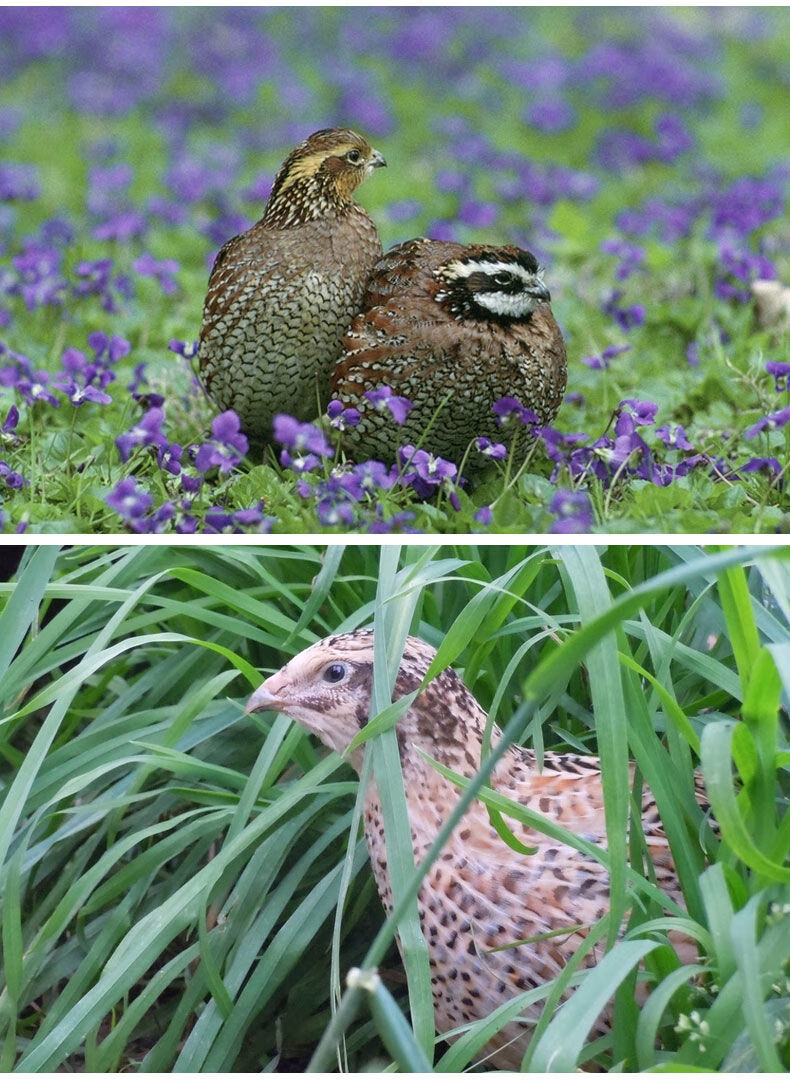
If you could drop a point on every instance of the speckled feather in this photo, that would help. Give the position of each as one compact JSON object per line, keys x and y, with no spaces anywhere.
{"x":413,"y":338}
{"x":282,"y":295}
{"x":480,"y":894}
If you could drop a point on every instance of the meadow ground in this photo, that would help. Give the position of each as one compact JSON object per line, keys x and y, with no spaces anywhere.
{"x":184,"y":887}
{"x":640,"y":153}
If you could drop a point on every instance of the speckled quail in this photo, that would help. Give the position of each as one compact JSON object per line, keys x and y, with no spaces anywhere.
{"x":472,"y":321}
{"x":480,"y":894}
{"x":282,"y":295}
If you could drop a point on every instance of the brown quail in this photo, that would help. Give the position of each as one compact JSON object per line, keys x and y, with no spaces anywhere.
{"x":282,"y":295}
{"x":472,"y":321}
{"x":480,"y":894}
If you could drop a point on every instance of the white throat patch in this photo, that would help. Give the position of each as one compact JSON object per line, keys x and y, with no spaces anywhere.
{"x":506,"y":305}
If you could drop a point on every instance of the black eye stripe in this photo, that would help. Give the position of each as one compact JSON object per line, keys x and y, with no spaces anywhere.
{"x":509,"y":284}
{"x":499,"y":282}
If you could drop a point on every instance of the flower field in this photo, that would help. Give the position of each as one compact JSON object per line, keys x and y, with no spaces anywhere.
{"x":639,"y":153}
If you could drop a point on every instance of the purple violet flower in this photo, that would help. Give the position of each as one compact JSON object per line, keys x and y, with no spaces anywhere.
{"x":740,"y":267}
{"x":36,"y":389}
{"x":426,"y":471}
{"x":169,"y":457}
{"x":398,"y":406}
{"x":147,"y":432}
{"x":218,"y":519}
{"x":573,"y":512}
{"x":108,"y":348}
{"x":190,"y":484}
{"x":632,"y":256}
{"x":558,"y":445}
{"x":399,"y":522}
{"x":643,"y":412}
{"x":340,"y":417}
{"x":19,"y":181}
{"x":629,"y":446}
{"x":301,"y":462}
{"x":9,"y":426}
{"x":551,"y":115}
{"x":94,"y":277}
{"x":78,"y":394}
{"x":228,"y":447}
{"x":508,"y":409}
{"x":300,"y":437}
{"x":370,"y":476}
{"x":121,"y":227}
{"x":773,"y":421}
{"x":673,"y":435}
{"x":748,"y":204}
{"x":161,"y":270}
{"x":780,"y":372}
{"x":770,"y":466}
{"x":492,"y":450}
{"x":627,"y":317}
{"x":38,"y":275}
{"x":10,"y":478}
{"x":187,"y":349}
{"x":138,"y":379}
{"x":601,"y":362}
{"x":129,"y":501}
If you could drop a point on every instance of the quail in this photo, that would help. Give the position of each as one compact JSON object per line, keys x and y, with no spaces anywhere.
{"x":480,"y":897}
{"x":282,"y":295}
{"x":467,"y":322}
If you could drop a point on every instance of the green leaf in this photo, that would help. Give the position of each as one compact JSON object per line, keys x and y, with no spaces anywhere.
{"x":21,"y":608}
{"x":390,"y":1022}
{"x":717,"y":767}
{"x":584,"y":570}
{"x":559,"y":1048}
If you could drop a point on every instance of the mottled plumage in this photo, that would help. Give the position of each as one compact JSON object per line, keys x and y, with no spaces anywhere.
{"x":480,"y":894}
{"x":441,"y":318}
{"x":282,"y":295}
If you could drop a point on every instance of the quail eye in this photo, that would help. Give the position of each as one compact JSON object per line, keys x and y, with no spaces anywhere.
{"x":334,"y":673}
{"x":503,"y":279}
{"x":354,"y":156}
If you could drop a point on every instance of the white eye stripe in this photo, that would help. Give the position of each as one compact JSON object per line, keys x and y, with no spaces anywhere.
{"x":458,"y":269}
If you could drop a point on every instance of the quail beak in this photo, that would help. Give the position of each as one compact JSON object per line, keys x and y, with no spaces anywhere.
{"x":376,"y":159}
{"x":540,"y":291}
{"x":267,"y":697}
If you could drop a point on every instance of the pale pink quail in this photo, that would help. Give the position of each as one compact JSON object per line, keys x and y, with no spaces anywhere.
{"x":480,"y":894}
{"x":468,"y":322}
{"x":282,"y":295}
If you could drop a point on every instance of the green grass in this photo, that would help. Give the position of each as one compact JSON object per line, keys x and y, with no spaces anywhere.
{"x":184,"y":889}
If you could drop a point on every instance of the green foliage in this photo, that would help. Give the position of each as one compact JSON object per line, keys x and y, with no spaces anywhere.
{"x":183,"y":888}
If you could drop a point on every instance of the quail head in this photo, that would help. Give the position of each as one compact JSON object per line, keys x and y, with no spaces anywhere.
{"x":471,"y":323}
{"x":282,"y":295}
{"x":480,"y":897}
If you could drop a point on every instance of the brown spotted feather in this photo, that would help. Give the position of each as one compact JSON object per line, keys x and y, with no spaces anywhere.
{"x":282,"y":295}
{"x":480,"y":895}
{"x":423,"y":334}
